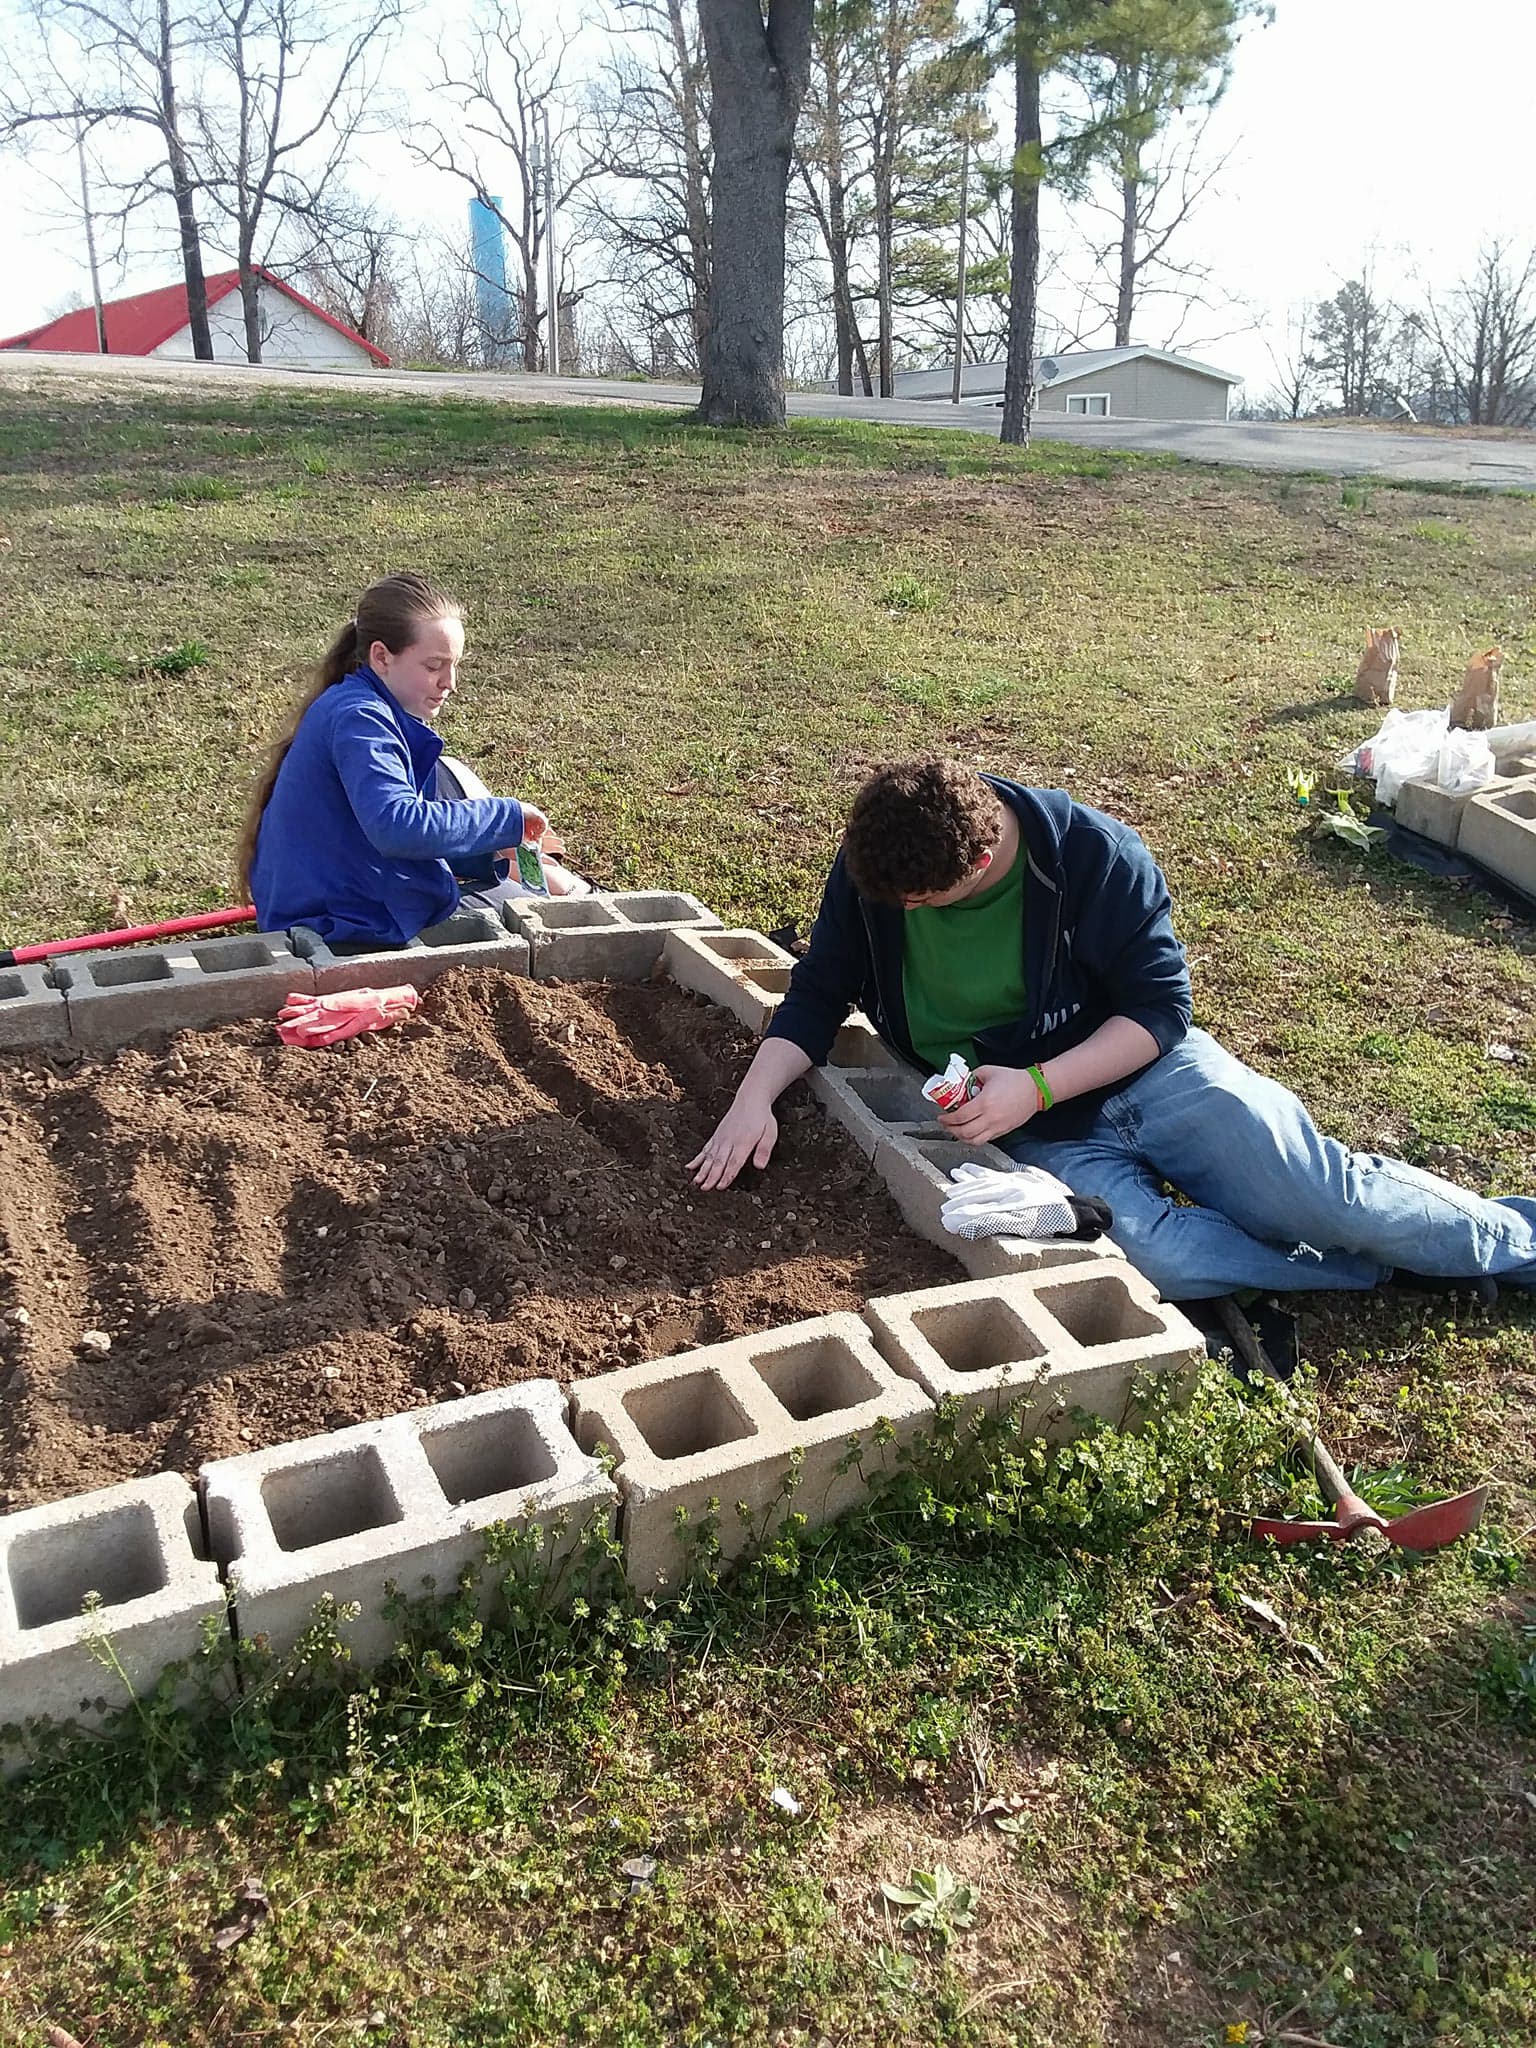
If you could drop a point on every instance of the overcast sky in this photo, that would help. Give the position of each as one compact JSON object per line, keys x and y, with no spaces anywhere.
{"x":1388,"y":131}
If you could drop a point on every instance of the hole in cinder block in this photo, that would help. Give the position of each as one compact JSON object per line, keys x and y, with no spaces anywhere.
{"x":333,"y":1497}
{"x":228,"y":956}
{"x":895,"y":1098}
{"x":1520,"y":803}
{"x":464,"y":928}
{"x":1098,"y":1311}
{"x":742,"y":949}
{"x":487,"y":1454}
{"x":686,"y":1415}
{"x":817,"y":1377}
{"x":659,"y":908}
{"x":570,"y":913}
{"x":977,"y":1336}
{"x":126,"y":971}
{"x":12,"y":988}
{"x":859,"y":1047}
{"x":115,"y":1557}
{"x":944,"y":1154}
{"x":772,"y":981}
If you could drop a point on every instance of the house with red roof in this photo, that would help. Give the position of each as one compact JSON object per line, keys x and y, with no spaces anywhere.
{"x":294,"y":330}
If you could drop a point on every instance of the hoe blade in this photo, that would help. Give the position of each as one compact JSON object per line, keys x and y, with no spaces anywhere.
{"x":1441,"y":1522}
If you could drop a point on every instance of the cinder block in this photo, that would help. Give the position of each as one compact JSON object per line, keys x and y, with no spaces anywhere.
{"x":111,"y":997}
{"x":876,"y":1102}
{"x":859,"y":1045}
{"x":134,"y":1553}
{"x":741,"y":971}
{"x":1498,"y":828}
{"x":402,"y":1503}
{"x":603,"y":938}
{"x":32,"y":1010}
{"x":1042,"y":1344}
{"x":472,"y":937}
{"x":722,"y":1422}
{"x":1433,"y":812}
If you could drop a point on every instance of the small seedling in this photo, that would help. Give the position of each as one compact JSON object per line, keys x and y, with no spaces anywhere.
{"x":937,"y":1902}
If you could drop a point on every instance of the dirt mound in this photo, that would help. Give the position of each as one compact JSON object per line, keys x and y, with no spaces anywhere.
{"x":279,"y":1242}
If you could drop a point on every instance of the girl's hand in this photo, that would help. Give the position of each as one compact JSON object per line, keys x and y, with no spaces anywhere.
{"x":1005,"y":1098}
{"x":535,"y":825}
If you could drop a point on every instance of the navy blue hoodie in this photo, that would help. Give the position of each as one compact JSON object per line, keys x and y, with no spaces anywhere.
{"x":351,"y":842}
{"x":1097,"y":942}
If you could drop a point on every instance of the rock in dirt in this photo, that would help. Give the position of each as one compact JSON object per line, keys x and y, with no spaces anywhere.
{"x":95,"y":1343}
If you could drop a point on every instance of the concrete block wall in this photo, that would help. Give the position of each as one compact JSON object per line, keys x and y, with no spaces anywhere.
{"x":472,"y":937}
{"x":1041,"y":1343}
{"x":618,"y":937}
{"x":32,"y":1009}
{"x":722,"y":1423}
{"x":111,"y":997}
{"x":134,"y":1553}
{"x":402,"y":1503}
{"x":1498,"y":828}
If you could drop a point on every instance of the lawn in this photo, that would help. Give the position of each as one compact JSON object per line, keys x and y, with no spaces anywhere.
{"x":1189,"y":1793}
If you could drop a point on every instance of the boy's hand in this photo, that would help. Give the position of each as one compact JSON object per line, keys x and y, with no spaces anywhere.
{"x":1005,"y":1098}
{"x":748,"y":1130}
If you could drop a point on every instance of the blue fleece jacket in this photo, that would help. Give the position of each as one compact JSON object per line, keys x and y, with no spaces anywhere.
{"x":351,"y":843}
{"x":1097,"y":942}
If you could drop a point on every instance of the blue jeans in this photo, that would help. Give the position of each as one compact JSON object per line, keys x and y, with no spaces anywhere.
{"x":1275,"y":1204}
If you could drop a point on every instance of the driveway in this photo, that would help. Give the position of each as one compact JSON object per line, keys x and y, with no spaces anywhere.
{"x":1333,"y":451}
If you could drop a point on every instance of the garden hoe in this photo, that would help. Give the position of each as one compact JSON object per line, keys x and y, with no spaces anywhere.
{"x":1426,"y":1528}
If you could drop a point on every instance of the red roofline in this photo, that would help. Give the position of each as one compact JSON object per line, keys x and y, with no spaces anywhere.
{"x":137,"y":326}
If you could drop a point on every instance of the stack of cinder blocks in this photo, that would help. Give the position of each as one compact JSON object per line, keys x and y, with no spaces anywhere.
{"x":803,"y":1420}
{"x":103,"y":999}
{"x":1495,"y":826}
{"x":800,"y":1420}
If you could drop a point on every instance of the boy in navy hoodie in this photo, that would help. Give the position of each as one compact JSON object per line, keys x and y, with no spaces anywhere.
{"x":970,"y":914}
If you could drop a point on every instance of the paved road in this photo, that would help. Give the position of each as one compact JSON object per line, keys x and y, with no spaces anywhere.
{"x":1335,"y":451}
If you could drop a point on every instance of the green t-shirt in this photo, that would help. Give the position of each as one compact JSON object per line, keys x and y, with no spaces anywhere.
{"x":962,"y":968}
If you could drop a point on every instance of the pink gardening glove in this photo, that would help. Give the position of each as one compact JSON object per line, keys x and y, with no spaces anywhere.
{"x":322,"y":1020}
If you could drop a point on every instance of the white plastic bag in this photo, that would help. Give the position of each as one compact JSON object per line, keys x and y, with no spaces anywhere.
{"x":1405,"y":748}
{"x":1464,"y":763}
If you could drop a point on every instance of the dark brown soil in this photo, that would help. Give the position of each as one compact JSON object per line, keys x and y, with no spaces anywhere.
{"x":280,"y":1242}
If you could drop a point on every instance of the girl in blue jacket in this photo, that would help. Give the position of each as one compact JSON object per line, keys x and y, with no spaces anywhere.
{"x":345,"y":833}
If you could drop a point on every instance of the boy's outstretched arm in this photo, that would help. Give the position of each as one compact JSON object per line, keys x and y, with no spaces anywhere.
{"x":749,"y":1129}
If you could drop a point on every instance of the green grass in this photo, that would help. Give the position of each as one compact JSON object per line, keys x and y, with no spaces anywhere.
{"x":691,"y":647}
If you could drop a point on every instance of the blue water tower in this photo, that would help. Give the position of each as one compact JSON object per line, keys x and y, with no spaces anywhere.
{"x":488,"y":253}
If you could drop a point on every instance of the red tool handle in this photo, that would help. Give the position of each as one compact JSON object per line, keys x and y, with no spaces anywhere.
{"x":129,"y":935}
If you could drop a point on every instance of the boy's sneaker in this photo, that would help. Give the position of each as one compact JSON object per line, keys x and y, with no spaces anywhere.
{"x":1478,"y":1287}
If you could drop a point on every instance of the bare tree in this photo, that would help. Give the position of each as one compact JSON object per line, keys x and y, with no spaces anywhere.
{"x":354,"y":272}
{"x":647,"y":202}
{"x":828,"y":160}
{"x":1294,"y":392}
{"x":509,"y":89}
{"x":290,"y":87}
{"x":1481,"y":339}
{"x":120,"y":63}
{"x":758,"y":65}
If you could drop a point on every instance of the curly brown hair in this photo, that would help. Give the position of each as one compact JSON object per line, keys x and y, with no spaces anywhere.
{"x":919,"y":827}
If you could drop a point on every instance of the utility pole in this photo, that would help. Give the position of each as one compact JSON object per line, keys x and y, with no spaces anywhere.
{"x":553,"y":355}
{"x":90,"y":241}
{"x":965,"y":182}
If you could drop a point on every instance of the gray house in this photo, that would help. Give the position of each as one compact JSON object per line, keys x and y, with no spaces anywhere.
{"x":1094,"y":383}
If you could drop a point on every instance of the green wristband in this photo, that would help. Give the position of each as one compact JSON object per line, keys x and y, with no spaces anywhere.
{"x":1047,"y":1099}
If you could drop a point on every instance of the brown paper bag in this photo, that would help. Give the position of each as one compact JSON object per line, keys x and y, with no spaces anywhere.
{"x":1475,"y":706}
{"x":1376,"y":677}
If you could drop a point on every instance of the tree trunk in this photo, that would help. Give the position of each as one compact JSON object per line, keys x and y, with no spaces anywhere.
{"x":885,"y":235}
{"x":837,"y":218}
{"x":1024,"y":225}
{"x":757,"y":73}
{"x":1125,"y":294}
{"x":696,"y":193}
{"x":250,"y":302}
{"x":181,"y":187}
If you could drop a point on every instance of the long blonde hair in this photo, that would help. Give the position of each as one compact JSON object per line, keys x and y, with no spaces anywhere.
{"x":393,"y":610}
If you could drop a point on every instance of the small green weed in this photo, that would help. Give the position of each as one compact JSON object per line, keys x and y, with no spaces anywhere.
{"x":937,"y":1902}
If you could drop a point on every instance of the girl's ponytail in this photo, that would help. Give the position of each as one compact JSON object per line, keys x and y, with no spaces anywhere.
{"x":393,"y":610}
